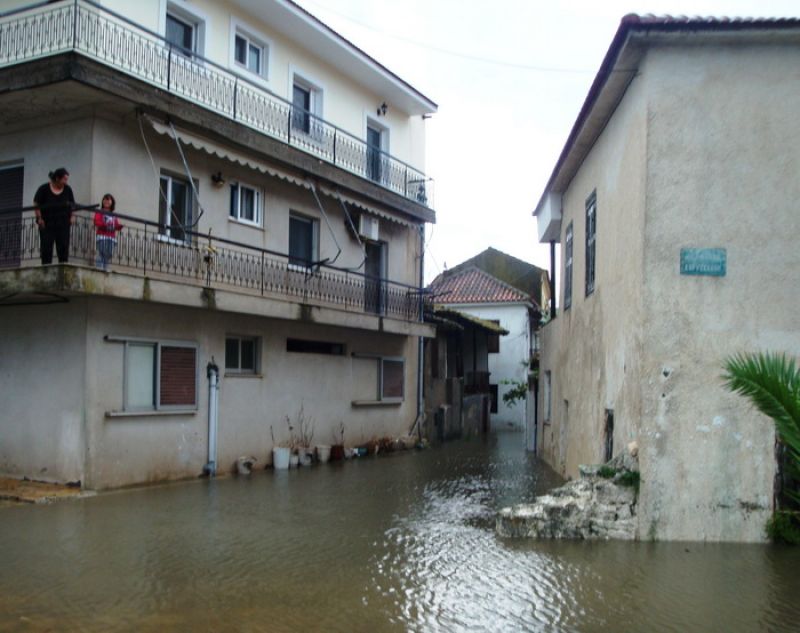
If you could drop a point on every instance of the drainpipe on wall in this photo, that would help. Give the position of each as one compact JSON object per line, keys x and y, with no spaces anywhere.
{"x":212,"y":370}
{"x":552,"y":279}
{"x":421,"y":343}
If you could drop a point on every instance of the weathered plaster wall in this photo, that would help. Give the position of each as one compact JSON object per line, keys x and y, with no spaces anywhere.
{"x":593,"y":349}
{"x":127,"y":450}
{"x":723,"y":162}
{"x":42,"y":371}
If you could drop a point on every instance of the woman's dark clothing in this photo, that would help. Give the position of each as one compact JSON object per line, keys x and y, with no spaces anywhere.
{"x":56,"y":212}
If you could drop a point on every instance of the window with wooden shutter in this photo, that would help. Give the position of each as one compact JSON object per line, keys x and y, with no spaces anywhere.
{"x":178,"y":376}
{"x":11,"y":182}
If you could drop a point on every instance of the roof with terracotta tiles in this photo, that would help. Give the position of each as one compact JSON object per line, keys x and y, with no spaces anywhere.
{"x":472,"y":285}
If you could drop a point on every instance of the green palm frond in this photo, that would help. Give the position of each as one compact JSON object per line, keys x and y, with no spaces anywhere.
{"x":772,"y":384}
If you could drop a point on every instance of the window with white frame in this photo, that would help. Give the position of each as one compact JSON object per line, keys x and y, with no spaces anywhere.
{"x":306,"y":106}
{"x":303,"y":240}
{"x":548,"y":395}
{"x":250,"y":52}
{"x":184,"y":28}
{"x":159,"y":375}
{"x":175,"y":207}
{"x":568,"y":267}
{"x":241,"y":354}
{"x":591,"y":234}
{"x":392,"y":379}
{"x":245,"y":204}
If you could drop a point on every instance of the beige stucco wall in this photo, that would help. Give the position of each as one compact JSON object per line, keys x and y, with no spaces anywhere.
{"x":593,"y":349}
{"x":715,"y":129}
{"x":128,"y":450}
{"x":723,"y":164}
{"x":43,"y":372}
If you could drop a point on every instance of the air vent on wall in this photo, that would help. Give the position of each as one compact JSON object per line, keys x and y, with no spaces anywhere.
{"x":368,"y":227}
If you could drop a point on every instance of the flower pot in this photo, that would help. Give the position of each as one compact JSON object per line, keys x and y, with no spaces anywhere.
{"x":305,"y":456}
{"x":280,"y":458}
{"x":323,"y":453}
{"x":337,"y":452}
{"x":294,"y":460}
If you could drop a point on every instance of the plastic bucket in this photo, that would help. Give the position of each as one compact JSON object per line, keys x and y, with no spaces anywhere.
{"x":280,"y":458}
{"x":323,"y":453}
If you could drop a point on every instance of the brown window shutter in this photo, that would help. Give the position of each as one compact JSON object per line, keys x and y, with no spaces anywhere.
{"x":178,"y":376}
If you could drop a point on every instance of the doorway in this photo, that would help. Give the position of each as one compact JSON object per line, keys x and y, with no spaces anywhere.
{"x":375,"y":276}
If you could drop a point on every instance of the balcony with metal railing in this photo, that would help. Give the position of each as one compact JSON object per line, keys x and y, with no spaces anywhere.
{"x":84,"y":27}
{"x":146,"y":249}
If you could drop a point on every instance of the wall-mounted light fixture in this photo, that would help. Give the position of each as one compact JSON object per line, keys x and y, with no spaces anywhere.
{"x":382,"y":108}
{"x":218,"y":180}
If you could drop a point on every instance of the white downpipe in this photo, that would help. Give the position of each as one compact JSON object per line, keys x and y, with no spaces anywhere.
{"x":213,"y":415}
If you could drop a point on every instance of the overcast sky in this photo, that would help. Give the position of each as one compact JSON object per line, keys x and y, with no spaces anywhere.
{"x":510,"y":77}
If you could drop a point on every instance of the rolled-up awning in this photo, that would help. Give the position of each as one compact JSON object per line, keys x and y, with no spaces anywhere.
{"x":215,"y":149}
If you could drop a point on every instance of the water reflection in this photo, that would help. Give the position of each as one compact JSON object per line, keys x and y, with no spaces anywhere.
{"x":402,"y":543}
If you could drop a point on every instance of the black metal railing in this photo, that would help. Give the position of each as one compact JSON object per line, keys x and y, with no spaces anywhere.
{"x":143,"y":247}
{"x":85,"y":27}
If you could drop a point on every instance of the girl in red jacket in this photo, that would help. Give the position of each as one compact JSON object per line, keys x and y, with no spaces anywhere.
{"x":107,"y":227}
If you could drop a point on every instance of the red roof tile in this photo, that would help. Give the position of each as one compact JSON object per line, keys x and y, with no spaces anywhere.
{"x":473,"y":285}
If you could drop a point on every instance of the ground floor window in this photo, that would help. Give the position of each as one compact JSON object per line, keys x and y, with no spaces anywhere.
{"x":392,"y":378}
{"x":159,"y":376}
{"x":241,"y":354}
{"x":314,"y":347}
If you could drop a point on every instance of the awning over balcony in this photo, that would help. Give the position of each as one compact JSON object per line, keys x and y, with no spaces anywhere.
{"x":214,"y":149}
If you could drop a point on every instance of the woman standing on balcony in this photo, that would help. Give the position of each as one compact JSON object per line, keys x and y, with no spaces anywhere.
{"x":54,"y":203}
{"x":107,"y":227}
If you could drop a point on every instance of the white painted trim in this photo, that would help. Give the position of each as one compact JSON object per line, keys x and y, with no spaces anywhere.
{"x":328,"y":33}
{"x":259,"y":223}
{"x":311,"y":83}
{"x":371,"y":120}
{"x":258,"y":37}
{"x":187,"y":12}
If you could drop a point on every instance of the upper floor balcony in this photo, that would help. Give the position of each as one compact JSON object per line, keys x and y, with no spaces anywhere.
{"x":94,"y":32}
{"x":152,"y":262}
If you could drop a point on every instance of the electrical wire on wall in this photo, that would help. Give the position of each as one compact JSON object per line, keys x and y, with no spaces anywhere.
{"x":157,"y":175}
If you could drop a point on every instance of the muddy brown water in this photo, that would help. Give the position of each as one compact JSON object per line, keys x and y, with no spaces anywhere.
{"x":400,"y":543}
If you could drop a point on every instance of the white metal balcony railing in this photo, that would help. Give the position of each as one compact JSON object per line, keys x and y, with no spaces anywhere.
{"x":143,"y":248}
{"x":87,"y":28}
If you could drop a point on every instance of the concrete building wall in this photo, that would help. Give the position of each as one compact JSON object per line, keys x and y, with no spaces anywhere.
{"x":135,"y":185}
{"x":700,"y":153}
{"x":510,"y":362}
{"x":344,"y":102}
{"x":127,"y":449}
{"x":723,"y":162}
{"x":592,"y":350}
{"x":48,"y":147}
{"x":42,"y":400}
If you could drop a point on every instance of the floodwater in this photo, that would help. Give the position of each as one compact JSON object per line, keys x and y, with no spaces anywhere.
{"x":397,"y":543}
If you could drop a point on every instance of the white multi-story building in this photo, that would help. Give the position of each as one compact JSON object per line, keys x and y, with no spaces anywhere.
{"x":270,"y":179}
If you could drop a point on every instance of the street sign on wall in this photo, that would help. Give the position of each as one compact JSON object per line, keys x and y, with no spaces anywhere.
{"x":711,"y":262}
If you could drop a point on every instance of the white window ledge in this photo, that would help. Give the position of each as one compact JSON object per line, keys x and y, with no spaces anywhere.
{"x":377,"y":403}
{"x":147,"y":414}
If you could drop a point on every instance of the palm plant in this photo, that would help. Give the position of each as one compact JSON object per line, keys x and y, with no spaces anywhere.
{"x":772,"y":384}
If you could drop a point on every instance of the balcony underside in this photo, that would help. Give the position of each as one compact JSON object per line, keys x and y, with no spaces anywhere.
{"x":64,"y":84}
{"x":62,"y":282}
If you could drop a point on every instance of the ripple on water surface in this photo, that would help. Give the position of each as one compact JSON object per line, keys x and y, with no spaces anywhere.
{"x":402,"y":543}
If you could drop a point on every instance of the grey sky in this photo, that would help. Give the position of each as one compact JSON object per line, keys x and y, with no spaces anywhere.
{"x":501,"y":122}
